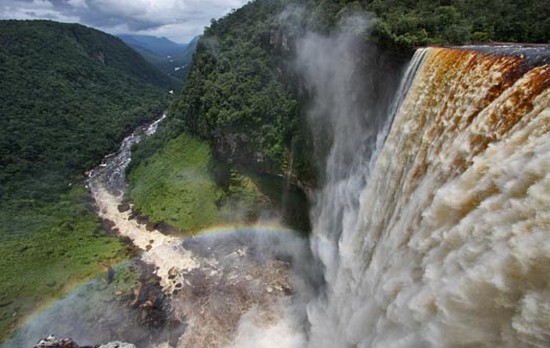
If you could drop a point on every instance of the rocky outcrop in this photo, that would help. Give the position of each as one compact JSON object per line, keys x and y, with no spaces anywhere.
{"x":117,"y":344}
{"x":277,"y":38}
{"x":54,"y":342}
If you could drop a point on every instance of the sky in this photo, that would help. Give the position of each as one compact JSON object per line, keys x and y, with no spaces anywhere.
{"x":178,"y":20}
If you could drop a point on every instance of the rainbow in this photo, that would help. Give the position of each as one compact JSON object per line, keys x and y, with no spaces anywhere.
{"x":74,"y":287}
{"x":229,"y":228}
{"x":50,"y":305}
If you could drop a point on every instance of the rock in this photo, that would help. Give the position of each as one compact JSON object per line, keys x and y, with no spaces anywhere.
{"x":123,"y":207}
{"x":167,"y":229}
{"x":142,"y":219}
{"x":52,"y":342}
{"x":117,"y":344}
{"x":107,"y":224}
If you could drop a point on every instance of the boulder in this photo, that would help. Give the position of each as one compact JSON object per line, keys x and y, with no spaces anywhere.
{"x":117,"y":344}
{"x":53,"y":342}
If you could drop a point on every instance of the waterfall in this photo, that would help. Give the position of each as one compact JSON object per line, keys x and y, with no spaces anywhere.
{"x":436,"y":233}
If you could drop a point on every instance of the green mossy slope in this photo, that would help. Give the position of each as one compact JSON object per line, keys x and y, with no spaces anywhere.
{"x":174,"y":185}
{"x":183,"y":185}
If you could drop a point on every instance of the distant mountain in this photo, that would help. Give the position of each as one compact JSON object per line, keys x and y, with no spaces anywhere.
{"x":157,"y":45}
{"x":171,"y":58}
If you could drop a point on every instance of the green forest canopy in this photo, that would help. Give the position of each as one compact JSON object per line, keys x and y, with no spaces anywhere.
{"x":69,"y":93}
{"x":68,"y":96}
{"x":242,"y":97}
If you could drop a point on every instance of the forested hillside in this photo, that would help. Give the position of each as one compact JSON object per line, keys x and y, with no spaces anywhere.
{"x":402,"y":24}
{"x":242,"y":97}
{"x":69,"y":93}
{"x":68,"y":96}
{"x":241,"y":100}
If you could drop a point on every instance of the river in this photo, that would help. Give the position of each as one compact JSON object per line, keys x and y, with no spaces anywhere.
{"x":235,"y":285}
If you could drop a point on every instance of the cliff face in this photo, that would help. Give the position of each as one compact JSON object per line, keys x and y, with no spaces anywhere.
{"x":240,"y":95}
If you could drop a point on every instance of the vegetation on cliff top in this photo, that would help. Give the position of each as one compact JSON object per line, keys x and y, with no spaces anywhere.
{"x":403,"y":24}
{"x":244,"y":99}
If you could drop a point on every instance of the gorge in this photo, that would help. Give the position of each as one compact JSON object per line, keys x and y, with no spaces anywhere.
{"x":431,"y":231}
{"x":428,"y":222}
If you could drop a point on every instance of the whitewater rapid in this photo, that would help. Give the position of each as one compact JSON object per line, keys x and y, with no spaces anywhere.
{"x":107,"y":184}
{"x":444,"y":238}
{"x":227,"y":289}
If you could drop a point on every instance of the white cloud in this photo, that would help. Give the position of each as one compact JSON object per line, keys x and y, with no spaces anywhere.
{"x":77,"y":3}
{"x":37,"y":9}
{"x":179,"y":20}
{"x":176,"y":32}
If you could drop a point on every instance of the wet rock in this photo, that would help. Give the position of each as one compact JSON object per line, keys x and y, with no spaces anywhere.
{"x":142,"y":219}
{"x":123,"y":207}
{"x":173,"y":272}
{"x":167,"y":229}
{"x":53,"y":342}
{"x":110,"y":275}
{"x":107,"y":225}
{"x":176,"y":279}
{"x":117,"y":344}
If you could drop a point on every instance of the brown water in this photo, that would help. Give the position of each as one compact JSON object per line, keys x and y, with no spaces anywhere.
{"x":450,"y":245}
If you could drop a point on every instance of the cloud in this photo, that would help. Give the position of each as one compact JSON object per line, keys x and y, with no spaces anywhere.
{"x":179,"y":20}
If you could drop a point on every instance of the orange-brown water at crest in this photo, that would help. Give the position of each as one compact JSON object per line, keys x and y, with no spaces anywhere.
{"x":451,"y":242}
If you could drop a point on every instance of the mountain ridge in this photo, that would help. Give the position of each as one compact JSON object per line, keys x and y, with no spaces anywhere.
{"x":171,"y":58}
{"x":161,"y":45}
